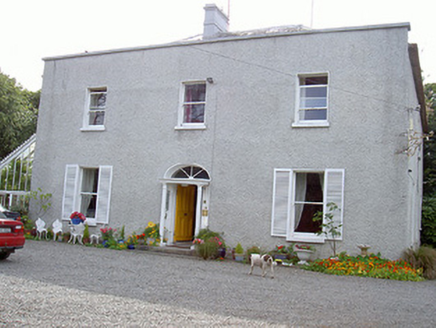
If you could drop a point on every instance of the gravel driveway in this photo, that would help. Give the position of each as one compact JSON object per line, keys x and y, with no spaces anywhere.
{"x":53,"y":284}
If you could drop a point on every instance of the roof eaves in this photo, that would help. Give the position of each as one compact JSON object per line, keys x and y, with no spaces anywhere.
{"x":233,"y":36}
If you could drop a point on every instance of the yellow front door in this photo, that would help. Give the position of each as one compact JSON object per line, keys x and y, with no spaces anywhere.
{"x":185,"y":213}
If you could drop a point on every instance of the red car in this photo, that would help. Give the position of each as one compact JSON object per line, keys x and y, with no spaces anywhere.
{"x":11,"y":236}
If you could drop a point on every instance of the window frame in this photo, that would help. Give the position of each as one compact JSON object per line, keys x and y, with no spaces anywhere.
{"x":181,"y":125}
{"x":88,"y":110}
{"x":72,"y":196}
{"x":283,"y":219}
{"x":311,"y":123}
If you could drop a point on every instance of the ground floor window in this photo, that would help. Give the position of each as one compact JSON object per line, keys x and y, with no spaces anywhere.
{"x":87,"y":190}
{"x":299,"y":195}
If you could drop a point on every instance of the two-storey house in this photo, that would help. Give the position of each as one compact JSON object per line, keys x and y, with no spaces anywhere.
{"x":247,"y":133}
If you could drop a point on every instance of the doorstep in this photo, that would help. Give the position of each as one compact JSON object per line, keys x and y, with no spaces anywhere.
{"x":171,"y":250}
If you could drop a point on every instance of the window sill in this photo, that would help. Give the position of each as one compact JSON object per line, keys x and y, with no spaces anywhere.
{"x":89,"y":222}
{"x":311,"y":124}
{"x":306,"y":239}
{"x":93,"y":128}
{"x":190,"y":127}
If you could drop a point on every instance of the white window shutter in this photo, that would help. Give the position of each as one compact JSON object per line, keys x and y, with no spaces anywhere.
{"x":70,"y":191}
{"x":104,"y":194}
{"x":334,"y":193}
{"x":281,"y":194}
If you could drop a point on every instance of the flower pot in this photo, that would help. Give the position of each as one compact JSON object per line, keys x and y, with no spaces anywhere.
{"x":76,"y":221}
{"x":222,"y":252}
{"x":239,"y":257}
{"x":303,"y":255}
{"x":280,"y":256}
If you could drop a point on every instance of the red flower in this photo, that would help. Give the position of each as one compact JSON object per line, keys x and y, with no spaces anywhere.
{"x":78,"y":215}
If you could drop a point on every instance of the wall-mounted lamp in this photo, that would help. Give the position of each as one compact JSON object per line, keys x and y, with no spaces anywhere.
{"x":209,"y":80}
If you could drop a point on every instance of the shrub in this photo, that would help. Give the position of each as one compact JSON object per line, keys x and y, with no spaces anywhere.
{"x":422,"y":258}
{"x":28,"y":223}
{"x":239,"y":249}
{"x":207,"y":249}
{"x":86,"y":232}
{"x":207,"y":243}
{"x":428,"y":233}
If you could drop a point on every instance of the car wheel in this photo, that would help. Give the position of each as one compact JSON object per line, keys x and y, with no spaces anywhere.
{"x":4,"y":255}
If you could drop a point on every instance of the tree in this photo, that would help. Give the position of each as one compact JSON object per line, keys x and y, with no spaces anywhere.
{"x":18,"y":114}
{"x":428,"y":232}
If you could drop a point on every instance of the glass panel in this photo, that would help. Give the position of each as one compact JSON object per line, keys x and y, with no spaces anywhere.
{"x":305,"y":222}
{"x":90,"y":180}
{"x":96,"y":118}
{"x":98,"y":100}
{"x":314,"y":114}
{"x":313,"y":97}
{"x":88,"y":205}
{"x":180,"y":174}
{"x":199,"y":173}
{"x":313,"y":80}
{"x":191,"y":172}
{"x":193,"y":113}
{"x":308,"y":187}
{"x":195,"y":92}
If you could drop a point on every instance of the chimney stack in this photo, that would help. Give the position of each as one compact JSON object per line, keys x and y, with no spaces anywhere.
{"x":215,"y":21}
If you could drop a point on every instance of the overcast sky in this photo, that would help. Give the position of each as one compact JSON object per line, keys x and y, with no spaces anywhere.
{"x":34,"y":29}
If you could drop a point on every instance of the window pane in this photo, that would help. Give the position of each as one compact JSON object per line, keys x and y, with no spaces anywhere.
{"x":88,"y":205}
{"x":193,"y":114}
{"x":96,"y":118}
{"x":98,"y":100}
{"x":313,"y":97}
{"x":313,"y":80}
{"x":305,"y":223}
{"x":195,"y":92}
{"x":313,"y":114}
{"x":308,"y":187}
{"x":181,"y":174}
{"x":90,"y":180}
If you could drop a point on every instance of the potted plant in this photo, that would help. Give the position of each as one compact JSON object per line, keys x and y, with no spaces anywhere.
{"x":281,"y":252}
{"x":304,"y":252}
{"x":86,"y":234}
{"x":77,"y":218}
{"x":239,"y":253}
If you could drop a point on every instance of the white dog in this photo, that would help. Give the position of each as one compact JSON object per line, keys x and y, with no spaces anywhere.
{"x":263,"y":261}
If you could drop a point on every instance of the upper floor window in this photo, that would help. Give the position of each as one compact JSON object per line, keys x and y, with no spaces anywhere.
{"x":95,"y":109}
{"x":193,"y":105}
{"x":312,"y":100}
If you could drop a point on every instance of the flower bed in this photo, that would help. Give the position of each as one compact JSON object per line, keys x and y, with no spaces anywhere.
{"x":367,"y":266}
